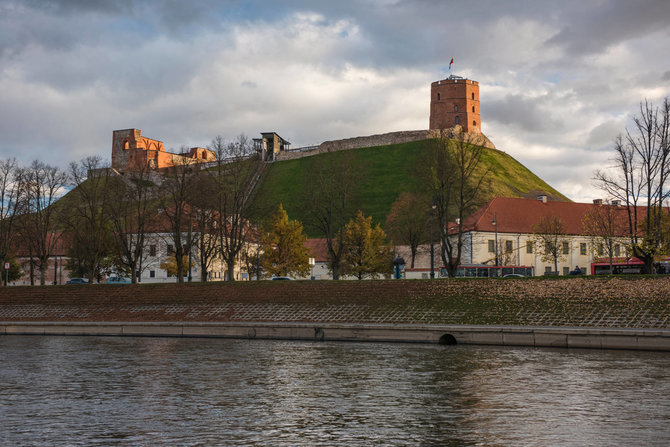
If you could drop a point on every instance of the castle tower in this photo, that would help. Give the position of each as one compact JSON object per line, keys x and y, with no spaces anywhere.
{"x":455,"y":101}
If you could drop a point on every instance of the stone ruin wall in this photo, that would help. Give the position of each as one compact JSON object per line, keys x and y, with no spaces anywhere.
{"x":385,"y":139}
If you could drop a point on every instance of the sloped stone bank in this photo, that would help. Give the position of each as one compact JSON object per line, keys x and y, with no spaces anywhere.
{"x":570,"y":302}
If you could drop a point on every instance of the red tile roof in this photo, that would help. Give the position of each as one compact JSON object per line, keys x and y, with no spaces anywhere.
{"x":520,"y":215}
{"x":317,"y":249}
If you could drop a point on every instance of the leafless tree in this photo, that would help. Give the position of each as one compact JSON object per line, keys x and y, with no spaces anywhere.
{"x":549,"y":235}
{"x":640,"y":174}
{"x":178,"y":188}
{"x":129,"y":214}
{"x":328,"y":191}
{"x":605,"y":224}
{"x":408,"y":222}
{"x":455,"y":179}
{"x":10,"y":198}
{"x":235,"y":177}
{"x":41,"y":185}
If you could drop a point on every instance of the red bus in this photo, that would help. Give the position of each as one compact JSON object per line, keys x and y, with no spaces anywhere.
{"x":601,"y":266}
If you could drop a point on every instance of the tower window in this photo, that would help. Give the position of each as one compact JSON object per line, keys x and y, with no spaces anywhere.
{"x":438,"y":96}
{"x":473,"y":109}
{"x":126,"y":145}
{"x":473,"y":96}
{"x":457,"y":120}
{"x":474,"y":123}
{"x":455,"y":108}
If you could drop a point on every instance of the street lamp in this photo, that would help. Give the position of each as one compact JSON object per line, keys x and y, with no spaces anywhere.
{"x":495,"y":226}
{"x":432,"y":247}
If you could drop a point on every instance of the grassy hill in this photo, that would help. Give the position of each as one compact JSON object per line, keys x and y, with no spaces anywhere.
{"x":387,"y":171}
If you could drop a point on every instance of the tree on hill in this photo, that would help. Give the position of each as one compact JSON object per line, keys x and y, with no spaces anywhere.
{"x":234,"y":178}
{"x":329,"y":201}
{"x":283,"y":246}
{"x":86,"y":216}
{"x":455,"y":178}
{"x":365,"y":250}
{"x":549,"y":235}
{"x":408,"y":221}
{"x":129,"y":214}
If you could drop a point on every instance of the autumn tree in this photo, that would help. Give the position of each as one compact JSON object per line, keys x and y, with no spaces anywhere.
{"x":549,"y":237}
{"x":175,"y":268}
{"x":329,"y":200}
{"x":235,"y":177}
{"x":455,"y":178}
{"x":283,"y":246}
{"x":408,"y":222}
{"x":365,"y":250}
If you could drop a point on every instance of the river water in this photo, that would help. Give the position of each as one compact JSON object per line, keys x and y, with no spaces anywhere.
{"x":170,"y":391}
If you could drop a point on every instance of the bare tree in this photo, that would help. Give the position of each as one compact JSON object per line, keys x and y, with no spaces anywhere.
{"x":235,"y":177}
{"x":455,"y":179}
{"x":549,"y":235}
{"x":640,"y":174}
{"x":129,"y":214}
{"x":328,"y":191}
{"x":206,"y":237}
{"x":175,"y":204}
{"x":407,"y":223}
{"x":86,"y":216}
{"x":10,"y":198}
{"x":42,"y":185}
{"x":605,"y":224}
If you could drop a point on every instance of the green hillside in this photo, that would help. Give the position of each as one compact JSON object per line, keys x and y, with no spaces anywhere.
{"x":387,"y":171}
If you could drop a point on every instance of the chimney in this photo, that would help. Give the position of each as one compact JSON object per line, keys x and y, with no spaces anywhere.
{"x":597,"y":201}
{"x":542,"y":198}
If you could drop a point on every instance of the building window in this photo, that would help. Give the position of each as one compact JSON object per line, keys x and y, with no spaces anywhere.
{"x":474,"y":123}
{"x":126,"y":145}
{"x":547,"y":269}
{"x":455,"y":108}
{"x":617,"y":250}
{"x":529,"y":247}
{"x":473,"y":109}
{"x":138,"y":274}
{"x":566,"y":271}
{"x":492,"y":246}
{"x":582,"y":248}
{"x":473,"y":96}
{"x":601,"y":249}
{"x":152,"y":250}
{"x":566,"y":248}
{"x":509,"y":246}
{"x":438,"y":96}
{"x":170,"y":249}
{"x":457,"y":120}
{"x":152,"y":273}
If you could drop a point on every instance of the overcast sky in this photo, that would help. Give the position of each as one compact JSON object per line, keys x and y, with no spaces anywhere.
{"x":558,"y":80}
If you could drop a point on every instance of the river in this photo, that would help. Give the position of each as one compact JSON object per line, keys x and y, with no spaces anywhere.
{"x":105,"y":391}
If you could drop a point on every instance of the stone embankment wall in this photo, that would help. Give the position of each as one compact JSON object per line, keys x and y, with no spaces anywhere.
{"x":574,"y":302}
{"x":386,"y":139}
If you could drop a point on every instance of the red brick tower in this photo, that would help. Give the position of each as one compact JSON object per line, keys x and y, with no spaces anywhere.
{"x":455,"y":101}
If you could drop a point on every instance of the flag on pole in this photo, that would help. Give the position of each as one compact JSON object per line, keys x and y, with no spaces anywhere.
{"x":450,"y":63}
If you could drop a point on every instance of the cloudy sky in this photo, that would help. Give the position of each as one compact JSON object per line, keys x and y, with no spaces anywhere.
{"x":558,"y":80}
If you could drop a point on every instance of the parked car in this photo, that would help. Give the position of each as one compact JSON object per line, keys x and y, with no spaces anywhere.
{"x":118,"y":280}
{"x":281,"y":278}
{"x":77,"y":281}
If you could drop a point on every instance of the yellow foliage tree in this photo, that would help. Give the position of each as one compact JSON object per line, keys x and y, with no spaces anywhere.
{"x":283,"y":245}
{"x":170,"y":266}
{"x":365,"y":251}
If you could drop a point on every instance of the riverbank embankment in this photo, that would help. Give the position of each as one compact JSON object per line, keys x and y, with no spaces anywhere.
{"x":534,"y":312}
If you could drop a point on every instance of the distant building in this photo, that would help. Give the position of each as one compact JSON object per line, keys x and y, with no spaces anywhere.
{"x":455,"y":101}
{"x":270,"y":145}
{"x":131,"y":152}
